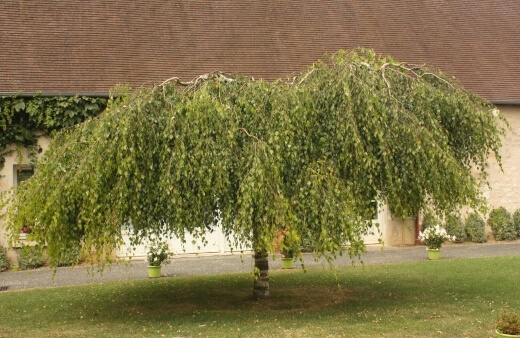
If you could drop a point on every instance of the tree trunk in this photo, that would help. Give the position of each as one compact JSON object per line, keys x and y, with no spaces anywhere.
{"x":261,"y":285}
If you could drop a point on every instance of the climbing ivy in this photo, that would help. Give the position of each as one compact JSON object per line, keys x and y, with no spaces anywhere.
{"x":22,"y":119}
{"x":308,"y":155}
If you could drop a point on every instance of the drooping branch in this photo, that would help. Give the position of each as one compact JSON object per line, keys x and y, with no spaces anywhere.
{"x":350,"y":129}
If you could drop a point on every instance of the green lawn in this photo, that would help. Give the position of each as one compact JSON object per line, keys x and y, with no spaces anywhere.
{"x":446,"y":298}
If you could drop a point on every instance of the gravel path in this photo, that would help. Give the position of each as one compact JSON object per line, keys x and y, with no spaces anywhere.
{"x":229,"y":263}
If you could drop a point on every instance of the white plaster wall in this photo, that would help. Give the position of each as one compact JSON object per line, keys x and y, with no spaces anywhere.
{"x":397,"y":231}
{"x":17,"y":157}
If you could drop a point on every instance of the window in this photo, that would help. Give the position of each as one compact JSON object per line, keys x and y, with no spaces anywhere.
{"x":22,"y":173}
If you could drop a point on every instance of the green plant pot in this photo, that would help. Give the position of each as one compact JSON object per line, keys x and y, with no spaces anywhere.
{"x":154,"y":271}
{"x":434,"y":254}
{"x":16,"y":268}
{"x":288,"y":263}
{"x":500,"y":334}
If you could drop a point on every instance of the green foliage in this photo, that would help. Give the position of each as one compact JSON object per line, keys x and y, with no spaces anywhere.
{"x":158,"y":254}
{"x":429,"y":220}
{"x":309,"y":155}
{"x":501,"y":222}
{"x":516,"y":222}
{"x":306,"y":246}
{"x":21,"y":118}
{"x":5,"y":263}
{"x":476,"y":228}
{"x":508,"y":322}
{"x":455,"y":227}
{"x":70,"y":256}
{"x":30,"y":257}
{"x":288,"y":243}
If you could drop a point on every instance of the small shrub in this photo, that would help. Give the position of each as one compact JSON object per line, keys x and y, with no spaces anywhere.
{"x":516,"y":222}
{"x":501,"y":222}
{"x":455,"y":227}
{"x":476,"y":228}
{"x":4,"y":260}
{"x":158,"y":253}
{"x":429,"y":220}
{"x":307,"y":245}
{"x":509,"y":323}
{"x":69,"y":257}
{"x":30,"y":258}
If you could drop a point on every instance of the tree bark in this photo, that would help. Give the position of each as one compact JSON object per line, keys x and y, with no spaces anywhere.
{"x":261,"y":284}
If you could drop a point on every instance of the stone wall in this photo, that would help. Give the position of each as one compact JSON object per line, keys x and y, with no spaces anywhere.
{"x":503,"y":190}
{"x":504,"y":186}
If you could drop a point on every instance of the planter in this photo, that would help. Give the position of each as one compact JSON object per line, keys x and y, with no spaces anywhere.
{"x":154,"y":271}
{"x":434,"y":254}
{"x":288,"y":263}
{"x":500,"y":334}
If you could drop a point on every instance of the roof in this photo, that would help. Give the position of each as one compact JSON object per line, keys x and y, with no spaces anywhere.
{"x":85,"y":47}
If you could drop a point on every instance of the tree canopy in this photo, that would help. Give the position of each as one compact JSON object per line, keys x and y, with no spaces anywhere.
{"x":307,"y":154}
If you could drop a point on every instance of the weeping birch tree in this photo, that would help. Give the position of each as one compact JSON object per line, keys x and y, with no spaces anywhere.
{"x":305,"y":155}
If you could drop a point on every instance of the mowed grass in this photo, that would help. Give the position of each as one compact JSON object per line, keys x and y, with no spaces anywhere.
{"x":446,"y":298}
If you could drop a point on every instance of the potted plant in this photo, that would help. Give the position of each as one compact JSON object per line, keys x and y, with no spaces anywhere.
{"x":158,"y":254}
{"x":287,"y":259}
{"x":508,"y":324}
{"x":433,"y":237}
{"x":285,"y":243}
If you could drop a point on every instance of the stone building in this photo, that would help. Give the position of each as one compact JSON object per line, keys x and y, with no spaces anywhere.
{"x":85,"y":48}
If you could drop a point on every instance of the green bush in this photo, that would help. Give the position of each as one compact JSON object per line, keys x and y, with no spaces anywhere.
{"x":455,"y":227}
{"x":69,"y":257}
{"x":30,"y":257}
{"x":501,"y":222}
{"x":429,"y":220}
{"x":516,"y":222}
{"x":508,"y":322}
{"x":4,"y":260}
{"x":476,"y":228}
{"x":307,"y":245}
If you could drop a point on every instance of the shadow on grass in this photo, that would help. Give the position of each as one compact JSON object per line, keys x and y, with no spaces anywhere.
{"x":317,"y":290}
{"x":430,"y":293}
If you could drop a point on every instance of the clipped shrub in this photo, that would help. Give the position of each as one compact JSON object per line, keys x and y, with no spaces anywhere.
{"x":501,"y":222}
{"x":4,"y":260}
{"x":476,"y":228}
{"x":429,"y":220}
{"x":69,"y":257}
{"x":30,"y":258}
{"x":508,"y":322}
{"x":455,"y":227}
{"x":516,"y":222}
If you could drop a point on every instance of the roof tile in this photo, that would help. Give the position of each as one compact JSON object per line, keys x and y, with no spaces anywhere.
{"x":87,"y":47}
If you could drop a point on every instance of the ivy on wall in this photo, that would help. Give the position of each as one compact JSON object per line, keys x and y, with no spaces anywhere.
{"x":23,"y":118}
